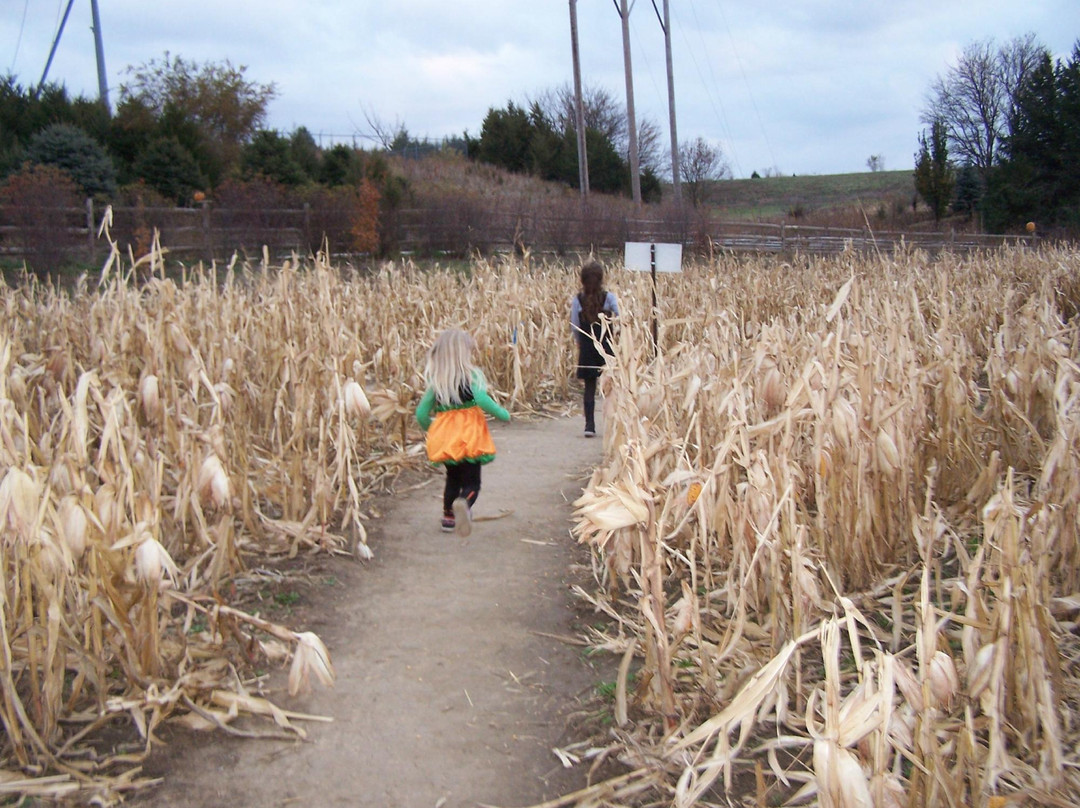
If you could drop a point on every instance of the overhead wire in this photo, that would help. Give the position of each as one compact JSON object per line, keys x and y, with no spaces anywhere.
{"x":18,"y":42}
{"x":713,"y":97}
{"x":655,"y":157}
{"x":639,"y":53}
{"x":645,"y":58}
{"x":746,"y":83}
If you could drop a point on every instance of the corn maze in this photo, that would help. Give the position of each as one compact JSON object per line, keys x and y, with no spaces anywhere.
{"x":835,"y":529}
{"x":838,"y":526}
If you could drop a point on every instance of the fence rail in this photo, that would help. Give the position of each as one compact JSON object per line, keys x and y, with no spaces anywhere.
{"x":211,"y":232}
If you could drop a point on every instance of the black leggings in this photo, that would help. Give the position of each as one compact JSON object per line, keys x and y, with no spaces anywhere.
{"x":590,"y":403}
{"x":462,"y":480}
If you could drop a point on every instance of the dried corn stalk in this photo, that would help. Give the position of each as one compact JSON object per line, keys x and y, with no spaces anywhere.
{"x":862,"y":434}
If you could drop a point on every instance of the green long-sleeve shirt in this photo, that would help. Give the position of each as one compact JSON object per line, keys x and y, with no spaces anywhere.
{"x":429,"y":407}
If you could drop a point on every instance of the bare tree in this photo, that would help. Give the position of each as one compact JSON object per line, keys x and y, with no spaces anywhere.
{"x":975,"y":97}
{"x":701,"y":164}
{"x":876,"y":162}
{"x":605,"y":114}
{"x":649,"y":145}
{"x":386,"y":135}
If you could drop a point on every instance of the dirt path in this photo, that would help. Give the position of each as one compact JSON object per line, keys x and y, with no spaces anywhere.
{"x":451,"y":691}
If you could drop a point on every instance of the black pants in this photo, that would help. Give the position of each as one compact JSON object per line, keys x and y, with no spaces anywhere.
{"x":590,"y":404}
{"x":462,"y":480}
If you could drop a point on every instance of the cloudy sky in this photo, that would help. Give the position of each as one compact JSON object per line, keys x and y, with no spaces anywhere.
{"x":798,"y":86}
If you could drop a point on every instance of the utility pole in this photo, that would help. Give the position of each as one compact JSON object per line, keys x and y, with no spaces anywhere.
{"x":579,"y":108}
{"x":52,"y":51}
{"x":631,"y":122}
{"x":676,"y":184}
{"x":99,"y":49}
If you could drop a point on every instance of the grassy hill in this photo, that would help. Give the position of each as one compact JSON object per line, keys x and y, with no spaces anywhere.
{"x":882,"y":198}
{"x":878,"y":195}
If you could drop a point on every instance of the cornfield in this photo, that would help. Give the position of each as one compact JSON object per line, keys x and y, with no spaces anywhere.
{"x":835,"y":526}
{"x":156,"y":436}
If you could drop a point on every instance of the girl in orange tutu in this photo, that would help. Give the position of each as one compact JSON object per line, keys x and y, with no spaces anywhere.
{"x":452,"y":412}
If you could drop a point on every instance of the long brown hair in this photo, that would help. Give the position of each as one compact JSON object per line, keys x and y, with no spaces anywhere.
{"x":592,"y":295}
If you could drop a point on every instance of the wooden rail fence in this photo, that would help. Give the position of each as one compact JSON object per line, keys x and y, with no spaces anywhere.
{"x":209,"y":232}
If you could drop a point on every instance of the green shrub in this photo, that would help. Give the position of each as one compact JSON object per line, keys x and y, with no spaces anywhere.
{"x":170,"y":169}
{"x":71,"y":149}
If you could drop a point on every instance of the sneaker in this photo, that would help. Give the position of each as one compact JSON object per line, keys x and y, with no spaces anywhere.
{"x":448,"y":523}
{"x":590,"y":433}
{"x":463,"y":517}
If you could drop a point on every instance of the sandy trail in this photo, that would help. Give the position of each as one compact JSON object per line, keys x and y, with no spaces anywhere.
{"x":451,"y":687}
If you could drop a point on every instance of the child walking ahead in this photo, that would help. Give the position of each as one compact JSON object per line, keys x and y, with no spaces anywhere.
{"x":457,"y":432}
{"x":585,"y":320}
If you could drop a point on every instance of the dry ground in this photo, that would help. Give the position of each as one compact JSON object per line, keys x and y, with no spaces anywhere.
{"x":452,"y":689}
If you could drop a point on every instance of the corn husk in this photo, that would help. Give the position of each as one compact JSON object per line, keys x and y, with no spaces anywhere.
{"x":310,"y":659}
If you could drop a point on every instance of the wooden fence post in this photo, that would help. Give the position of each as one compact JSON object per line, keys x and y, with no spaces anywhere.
{"x":208,"y":238}
{"x":89,"y":228}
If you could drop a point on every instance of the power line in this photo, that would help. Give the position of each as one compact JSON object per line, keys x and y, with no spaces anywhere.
{"x":665,"y":27}
{"x":714,"y":100}
{"x":746,"y":83}
{"x":18,"y":42}
{"x":645,"y":58}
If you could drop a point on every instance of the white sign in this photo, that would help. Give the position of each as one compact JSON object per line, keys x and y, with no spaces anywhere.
{"x":639,"y":257}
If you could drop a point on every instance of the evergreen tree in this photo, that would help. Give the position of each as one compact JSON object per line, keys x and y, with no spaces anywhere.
{"x":608,"y":172}
{"x":934,"y":177}
{"x":506,"y":138}
{"x":131,"y":130}
{"x":270,"y":155}
{"x":14,"y":114}
{"x":339,"y":166}
{"x":969,"y":189}
{"x":305,"y":152}
{"x":70,"y":148}
{"x":215,"y":158}
{"x":167,"y":167}
{"x":1039,"y":177}
{"x":651,"y":189}
{"x":532,"y":141}
{"x":552,"y":153}
{"x":24,"y":113}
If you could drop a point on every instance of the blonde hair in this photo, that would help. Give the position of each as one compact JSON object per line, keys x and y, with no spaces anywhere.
{"x":449,"y":366}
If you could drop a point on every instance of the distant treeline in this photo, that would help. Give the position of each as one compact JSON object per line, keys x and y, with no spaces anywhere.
{"x":183,"y":133}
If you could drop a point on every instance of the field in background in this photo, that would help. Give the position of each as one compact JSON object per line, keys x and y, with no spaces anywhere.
{"x":885,"y":196}
{"x":835,"y":525}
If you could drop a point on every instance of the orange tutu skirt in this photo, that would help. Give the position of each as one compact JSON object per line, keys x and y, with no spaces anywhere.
{"x":457,"y":436}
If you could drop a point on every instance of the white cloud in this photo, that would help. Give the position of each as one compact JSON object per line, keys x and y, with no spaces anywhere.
{"x":810,"y":86}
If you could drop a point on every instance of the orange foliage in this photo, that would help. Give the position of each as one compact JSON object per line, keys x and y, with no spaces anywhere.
{"x":41,"y":202}
{"x":364,"y":217}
